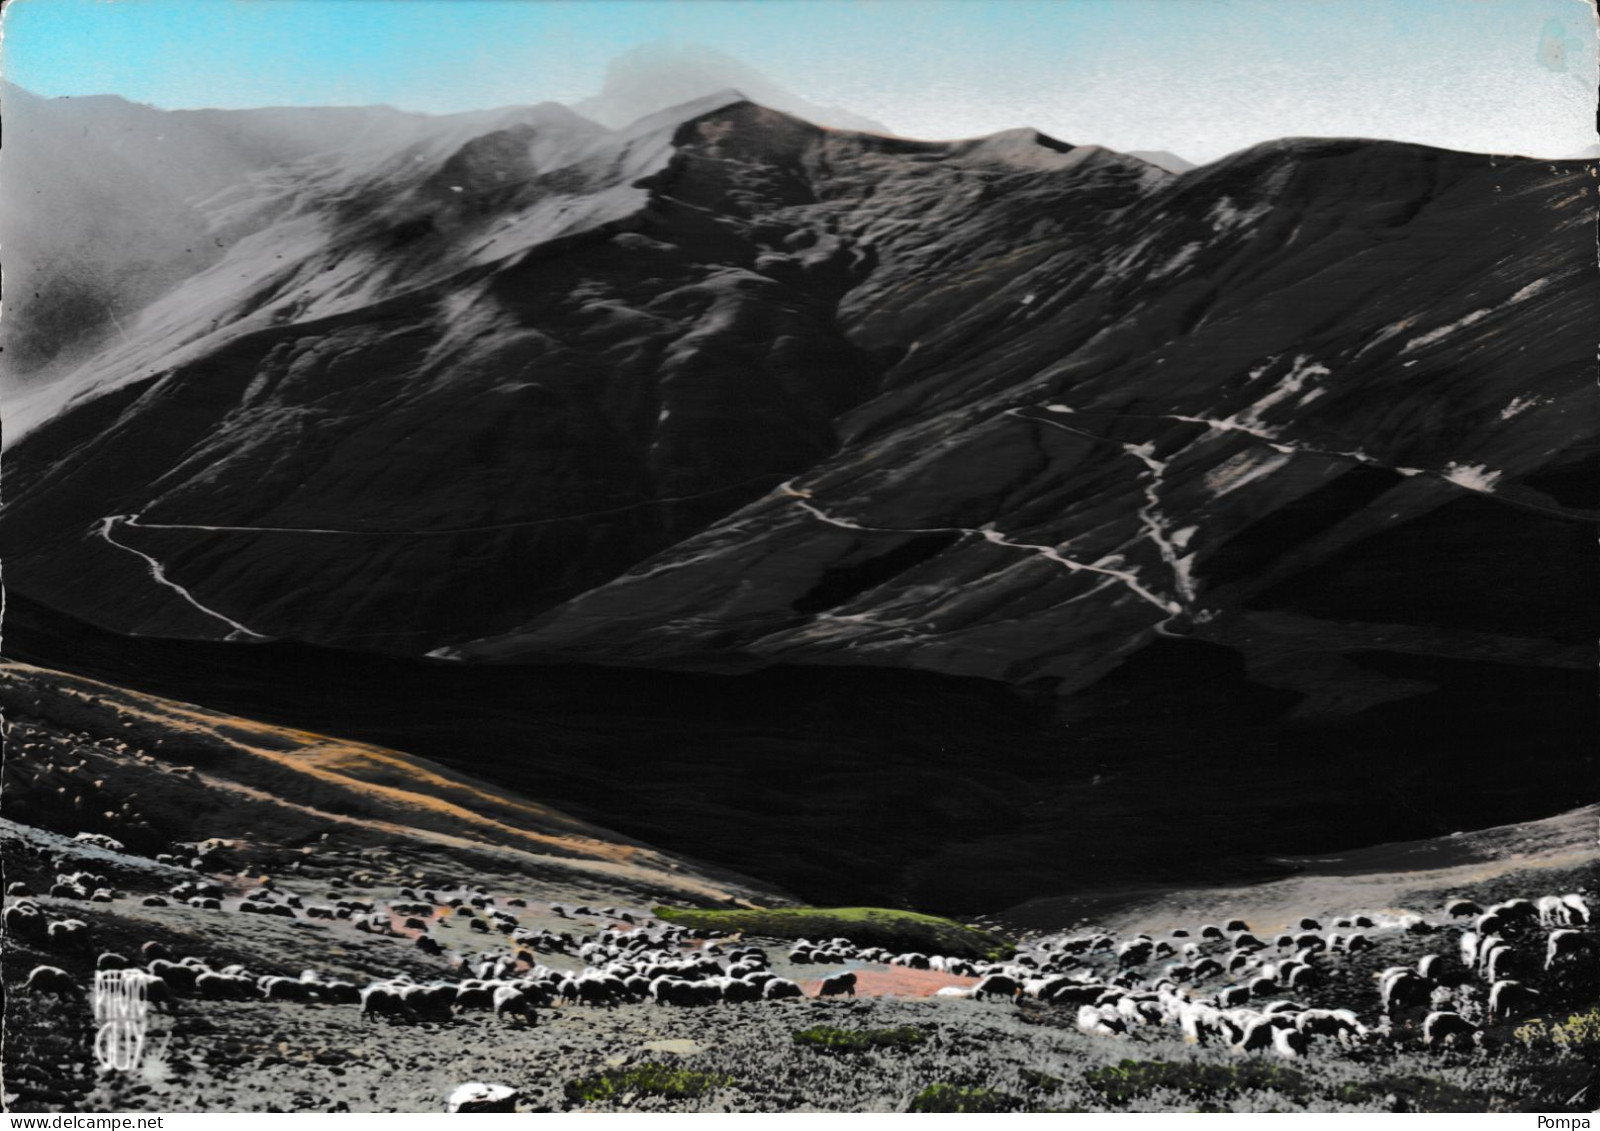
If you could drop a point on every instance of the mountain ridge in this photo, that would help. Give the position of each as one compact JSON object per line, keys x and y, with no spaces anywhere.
{"x":935,"y":377}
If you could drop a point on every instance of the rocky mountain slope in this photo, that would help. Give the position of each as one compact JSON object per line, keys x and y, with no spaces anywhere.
{"x":88,"y":757}
{"x":725,"y":389}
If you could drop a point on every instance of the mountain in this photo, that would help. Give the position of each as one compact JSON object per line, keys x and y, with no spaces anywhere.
{"x":723,"y":465}
{"x":658,"y":76}
{"x":725,"y":389}
{"x":110,"y":203}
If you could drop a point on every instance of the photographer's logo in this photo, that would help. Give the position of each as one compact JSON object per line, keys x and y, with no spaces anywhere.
{"x":122,"y":1014}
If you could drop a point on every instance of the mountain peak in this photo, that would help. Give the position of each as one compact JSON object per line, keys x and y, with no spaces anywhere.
{"x":659,"y":76}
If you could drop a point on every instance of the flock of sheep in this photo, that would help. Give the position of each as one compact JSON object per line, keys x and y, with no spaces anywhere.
{"x":1220,"y":985}
{"x":1448,"y":1000}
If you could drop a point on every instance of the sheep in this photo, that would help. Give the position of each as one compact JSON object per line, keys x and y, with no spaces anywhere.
{"x":224,"y":987}
{"x":1234,"y":996}
{"x":1469,"y":950}
{"x":69,"y":934}
{"x":1446,"y":1027}
{"x":1509,"y":999}
{"x":17,"y":890}
{"x":1263,"y":987}
{"x":1355,"y":944}
{"x":339,"y":992}
{"x":1403,"y":990}
{"x":1340,"y":1024}
{"x":154,"y":990}
{"x":843,"y":984}
{"x":1211,"y":931}
{"x":1430,"y":966}
{"x":996,"y":985}
{"x":1500,"y":964}
{"x":677,"y":991}
{"x":1562,"y":944}
{"x":1518,"y":910}
{"x":1553,"y":912}
{"x":384,"y":999}
{"x":1134,"y":953}
{"x":1238,"y":925}
{"x":475,"y":993}
{"x":600,"y":989}
{"x":1247,"y":941}
{"x":1578,"y":914}
{"x":1191,"y":1023}
{"x":1486,"y":951}
{"x":509,"y":1001}
{"x":1289,"y":1043}
{"x":1309,"y":924}
{"x":1258,"y":1035}
{"x":111,"y":961}
{"x":736,"y":989}
{"x":52,"y":980}
{"x":1100,"y":1021}
{"x":99,"y":840}
{"x":1491,"y":922}
{"x":1207,"y":968}
{"x":434,"y":1002}
{"x":1304,"y":977}
{"x":174,"y":974}
{"x":1075,"y":993}
{"x":274,"y":988}
{"x":152,"y":950}
{"x":779,"y":988}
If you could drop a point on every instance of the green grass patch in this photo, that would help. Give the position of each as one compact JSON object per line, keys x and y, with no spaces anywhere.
{"x":900,"y":931}
{"x":1043,"y":1081}
{"x":954,"y":1097}
{"x":1413,"y":1093}
{"x":1132,"y":1079}
{"x":652,"y":1079}
{"x":828,"y":1039}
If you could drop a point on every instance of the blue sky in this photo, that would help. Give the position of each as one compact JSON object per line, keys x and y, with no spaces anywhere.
{"x":1198,"y":77}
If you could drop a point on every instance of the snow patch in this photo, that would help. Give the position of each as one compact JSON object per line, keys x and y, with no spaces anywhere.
{"x":1520,"y":405}
{"x":1290,"y":385}
{"x":1246,"y":467}
{"x":1530,"y":290}
{"x":1444,"y":331}
{"x":1178,"y":262}
{"x":1226,"y":218}
{"x":1474,"y":477}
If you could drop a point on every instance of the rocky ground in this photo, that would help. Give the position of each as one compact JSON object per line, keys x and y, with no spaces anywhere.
{"x":926,"y":1051}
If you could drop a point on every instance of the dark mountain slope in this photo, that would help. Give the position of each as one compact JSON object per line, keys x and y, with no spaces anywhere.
{"x":862,"y":785}
{"x":724,"y":389}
